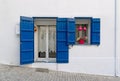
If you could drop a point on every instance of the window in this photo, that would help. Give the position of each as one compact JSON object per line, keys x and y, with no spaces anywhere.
{"x":54,"y":36}
{"x":83,"y":27}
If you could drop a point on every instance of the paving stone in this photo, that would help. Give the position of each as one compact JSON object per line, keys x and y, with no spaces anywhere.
{"x":12,"y":73}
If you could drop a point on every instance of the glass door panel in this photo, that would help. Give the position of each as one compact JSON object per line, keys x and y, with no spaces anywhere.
{"x":42,"y":42}
{"x":52,"y":41}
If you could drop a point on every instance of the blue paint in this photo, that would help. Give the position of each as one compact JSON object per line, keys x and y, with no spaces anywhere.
{"x":95,"y":31}
{"x":61,"y":40}
{"x":71,"y":31}
{"x":26,"y":40}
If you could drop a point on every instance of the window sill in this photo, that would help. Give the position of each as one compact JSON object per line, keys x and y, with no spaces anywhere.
{"x":83,"y":45}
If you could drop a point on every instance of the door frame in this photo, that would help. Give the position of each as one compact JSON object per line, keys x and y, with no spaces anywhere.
{"x":47,"y":59}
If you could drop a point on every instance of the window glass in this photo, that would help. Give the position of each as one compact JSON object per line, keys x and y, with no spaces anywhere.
{"x":82,"y":34}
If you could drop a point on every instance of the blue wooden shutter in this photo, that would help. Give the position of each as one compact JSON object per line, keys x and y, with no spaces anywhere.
{"x":26,"y":40}
{"x":95,"y":31}
{"x":71,"y":31}
{"x":62,"y":47}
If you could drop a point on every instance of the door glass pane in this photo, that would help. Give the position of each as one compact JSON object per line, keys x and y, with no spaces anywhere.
{"x":42,"y":42}
{"x":52,"y":42}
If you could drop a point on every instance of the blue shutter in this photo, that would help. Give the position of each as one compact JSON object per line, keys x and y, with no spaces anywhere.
{"x":71,"y":31}
{"x":26,"y":40}
{"x":62,"y":47}
{"x":95,"y":31}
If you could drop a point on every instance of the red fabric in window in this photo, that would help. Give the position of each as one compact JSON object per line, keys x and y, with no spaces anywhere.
{"x":81,"y":41}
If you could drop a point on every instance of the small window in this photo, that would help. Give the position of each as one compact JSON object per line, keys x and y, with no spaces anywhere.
{"x":83,"y":27}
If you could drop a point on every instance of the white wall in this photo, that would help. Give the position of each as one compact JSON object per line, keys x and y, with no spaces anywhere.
{"x":118,"y":37}
{"x":84,"y":59}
